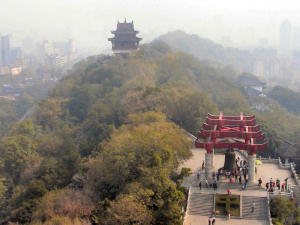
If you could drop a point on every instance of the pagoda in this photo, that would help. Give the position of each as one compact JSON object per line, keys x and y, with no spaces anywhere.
{"x":125,"y":40}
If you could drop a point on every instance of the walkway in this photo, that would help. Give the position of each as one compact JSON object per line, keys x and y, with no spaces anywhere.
{"x":203,"y":220}
{"x":265,"y":171}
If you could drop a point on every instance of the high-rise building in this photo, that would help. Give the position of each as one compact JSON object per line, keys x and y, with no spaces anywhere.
{"x":125,"y":39}
{"x":285,"y":38}
{"x":5,"y":50}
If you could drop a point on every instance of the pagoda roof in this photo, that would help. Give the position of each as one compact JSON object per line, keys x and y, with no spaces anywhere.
{"x":125,"y":27}
{"x":230,"y":132}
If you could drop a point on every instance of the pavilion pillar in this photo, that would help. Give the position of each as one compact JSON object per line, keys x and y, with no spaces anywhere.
{"x":208,"y":165}
{"x":212,"y":157}
{"x":251,"y":168}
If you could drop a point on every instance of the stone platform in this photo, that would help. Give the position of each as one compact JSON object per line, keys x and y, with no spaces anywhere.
{"x":264,"y":171}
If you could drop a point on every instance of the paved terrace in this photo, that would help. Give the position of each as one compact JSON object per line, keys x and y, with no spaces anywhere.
{"x":264,"y":171}
{"x":203,"y":220}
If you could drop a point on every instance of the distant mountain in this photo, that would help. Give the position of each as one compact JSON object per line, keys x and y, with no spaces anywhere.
{"x":206,"y":49}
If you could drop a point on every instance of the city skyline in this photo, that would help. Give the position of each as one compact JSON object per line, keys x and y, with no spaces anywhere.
{"x":89,"y":25}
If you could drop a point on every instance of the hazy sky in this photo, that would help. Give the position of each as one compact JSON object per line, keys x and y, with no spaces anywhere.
{"x":89,"y":22}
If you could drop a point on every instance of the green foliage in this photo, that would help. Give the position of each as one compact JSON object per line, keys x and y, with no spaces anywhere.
{"x":18,"y":153}
{"x":287,"y":98}
{"x":233,"y":103}
{"x":188,"y":108}
{"x":146,"y":152}
{"x":185,"y":172}
{"x":284,"y":212}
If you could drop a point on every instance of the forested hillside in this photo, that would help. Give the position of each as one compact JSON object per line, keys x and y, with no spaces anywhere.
{"x":242,"y":60}
{"x":287,"y":98}
{"x":12,"y":111}
{"x":107,"y":141}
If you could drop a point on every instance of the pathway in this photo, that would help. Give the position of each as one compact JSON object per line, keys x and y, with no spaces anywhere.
{"x":203,"y":220}
{"x":265,"y":171}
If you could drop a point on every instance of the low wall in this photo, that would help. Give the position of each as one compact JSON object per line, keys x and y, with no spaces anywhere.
{"x":187,"y":206}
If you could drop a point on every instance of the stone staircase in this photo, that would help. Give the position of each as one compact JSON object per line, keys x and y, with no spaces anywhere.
{"x":201,"y":204}
{"x":260,"y":211}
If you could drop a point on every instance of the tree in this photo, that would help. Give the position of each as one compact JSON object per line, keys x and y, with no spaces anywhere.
{"x":127,"y":210}
{"x":18,"y":152}
{"x":187,"y":108}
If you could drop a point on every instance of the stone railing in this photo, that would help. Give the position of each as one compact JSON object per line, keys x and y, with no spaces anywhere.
{"x":241,"y":206}
{"x":268,"y":160}
{"x":214,"y":202}
{"x":294,"y":174}
{"x":187,"y":205}
{"x":268,"y":209}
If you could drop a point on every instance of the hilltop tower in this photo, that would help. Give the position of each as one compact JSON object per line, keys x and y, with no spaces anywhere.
{"x":125,"y":40}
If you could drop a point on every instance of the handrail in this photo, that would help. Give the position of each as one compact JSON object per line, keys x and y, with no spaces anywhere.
{"x":241,"y":206}
{"x":268,"y":208}
{"x":187,"y":205}
{"x":214,"y":202}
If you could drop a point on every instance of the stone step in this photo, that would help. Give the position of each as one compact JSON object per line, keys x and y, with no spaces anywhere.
{"x":201,"y":204}
{"x":260,"y":210}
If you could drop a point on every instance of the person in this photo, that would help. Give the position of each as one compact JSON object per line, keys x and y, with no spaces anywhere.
{"x":227,"y":174}
{"x":286,"y":183}
{"x":282,"y":186}
{"x":245,"y":184}
{"x":209,"y":220}
{"x":267,"y":186}
{"x":286,"y":180}
{"x":240,"y":179}
{"x":198,"y":175}
{"x":200,"y":185}
{"x":278,"y":185}
{"x":228,"y":214}
{"x":252,"y":207}
{"x":213,"y":220}
{"x":215,"y":185}
{"x":228,"y":191}
{"x":203,"y":165}
{"x":271,"y":182}
{"x":259,"y":182}
{"x":213,"y":214}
